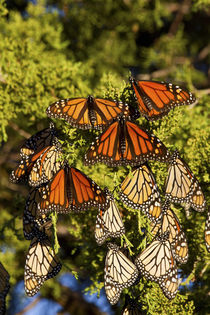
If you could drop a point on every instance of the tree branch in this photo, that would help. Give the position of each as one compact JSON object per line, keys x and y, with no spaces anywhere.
{"x":30,"y":306}
{"x":182,"y":11}
{"x":74,"y":303}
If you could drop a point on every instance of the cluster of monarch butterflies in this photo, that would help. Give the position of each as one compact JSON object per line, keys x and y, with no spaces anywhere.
{"x":56,"y":186}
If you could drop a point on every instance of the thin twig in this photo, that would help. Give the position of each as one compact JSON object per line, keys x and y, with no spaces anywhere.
{"x":183,"y":10}
{"x":22,"y":132}
{"x":204,"y":53}
{"x":30,"y":306}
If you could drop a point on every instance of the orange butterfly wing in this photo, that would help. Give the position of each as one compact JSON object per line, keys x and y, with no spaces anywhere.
{"x":107,"y":110}
{"x":54,"y":195}
{"x":143,"y":146}
{"x":87,"y":113}
{"x":156,"y":99}
{"x":32,"y":221}
{"x":73,"y":110}
{"x":84,"y":192}
{"x":39,"y":141}
{"x":106,"y":148}
{"x":21,"y":172}
{"x":70,"y":190}
{"x":46,"y":165}
{"x":207,"y":231}
{"x":124,"y":142}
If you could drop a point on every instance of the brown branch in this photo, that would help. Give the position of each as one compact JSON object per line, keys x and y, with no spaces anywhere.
{"x":74,"y":303}
{"x":204,"y":53}
{"x":22,"y":132}
{"x":155,"y":74}
{"x":203,"y":92}
{"x":2,"y":79}
{"x":30,"y":306}
{"x":183,"y":10}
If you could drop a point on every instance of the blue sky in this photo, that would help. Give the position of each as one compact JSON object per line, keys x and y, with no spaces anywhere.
{"x":20,"y":300}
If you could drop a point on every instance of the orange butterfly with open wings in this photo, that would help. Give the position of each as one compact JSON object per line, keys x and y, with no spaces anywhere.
{"x":124,"y":142}
{"x":156,"y":99}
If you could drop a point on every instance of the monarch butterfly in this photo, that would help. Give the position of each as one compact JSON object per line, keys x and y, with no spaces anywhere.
{"x":207,"y":231}
{"x":41,"y":265}
{"x":39,"y":168}
{"x":87,"y":113}
{"x":32,"y":221}
{"x":156,"y":99}
{"x":157,"y":263}
{"x":70,"y":189}
{"x":131,"y":307}
{"x":124,"y":142}
{"x":46,"y":165}
{"x":182,"y":185}
{"x":119,"y":273}
{"x":177,"y":237}
{"x":21,"y":172}
{"x":139,"y":191}
{"x":108,"y":221}
{"x":38,"y":141}
{"x":4,"y":287}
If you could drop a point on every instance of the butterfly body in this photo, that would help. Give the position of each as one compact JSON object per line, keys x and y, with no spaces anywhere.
{"x":91,"y":110}
{"x":156,"y":99}
{"x":124,"y":142}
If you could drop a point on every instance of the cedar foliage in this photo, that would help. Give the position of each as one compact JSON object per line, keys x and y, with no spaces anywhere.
{"x":51,"y":51}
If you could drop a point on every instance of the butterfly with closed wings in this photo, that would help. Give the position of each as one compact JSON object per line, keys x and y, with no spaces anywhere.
{"x":139,"y":191}
{"x":156,"y":263}
{"x":108,"y":222}
{"x":32,"y":220}
{"x":182,"y":186}
{"x":40,"y":167}
{"x":41,"y":264}
{"x":207,"y":231}
{"x":38,"y":141}
{"x":119,"y":273}
{"x":4,"y":288}
{"x":177,"y":238}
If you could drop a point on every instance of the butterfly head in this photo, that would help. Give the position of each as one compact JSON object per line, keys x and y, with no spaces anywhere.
{"x":51,"y":126}
{"x":90,"y":99}
{"x":163,"y":237}
{"x":112,"y":246}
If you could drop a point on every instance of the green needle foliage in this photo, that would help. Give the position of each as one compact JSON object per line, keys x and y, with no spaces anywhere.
{"x":51,"y":51}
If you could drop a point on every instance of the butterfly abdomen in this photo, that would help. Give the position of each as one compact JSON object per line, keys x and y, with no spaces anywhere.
{"x":122,"y":137}
{"x":91,"y":111}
